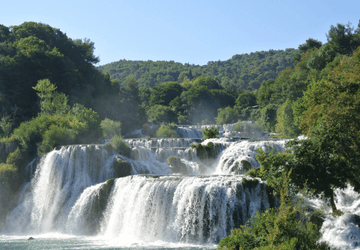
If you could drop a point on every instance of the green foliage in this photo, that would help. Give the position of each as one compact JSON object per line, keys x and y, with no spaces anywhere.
{"x":272,"y":168}
{"x":51,"y":102}
{"x":7,"y":121}
{"x":15,"y":158}
{"x":248,"y":129}
{"x":310,"y":44}
{"x":205,"y":152}
{"x":148,"y":130}
{"x":176,"y":165}
{"x":120,"y":146}
{"x":286,"y":126}
{"x":122,"y":168}
{"x":166,"y":132}
{"x":324,"y":161}
{"x":227,"y":115}
{"x":202,"y":98}
{"x":34,"y":51}
{"x":161,"y":113}
{"x":128,"y":109}
{"x":245,"y":100}
{"x":288,"y":227}
{"x":41,"y":134}
{"x":211,"y":132}
{"x":267,"y":118}
{"x":164,"y":93}
{"x":110,"y":128}
{"x":10,"y":177}
{"x":245,"y":71}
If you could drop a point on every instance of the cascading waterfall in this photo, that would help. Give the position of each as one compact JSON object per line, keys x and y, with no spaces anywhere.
{"x":66,"y":195}
{"x":225,"y":130}
{"x":75,"y":190}
{"x":174,"y":208}
{"x":61,"y":177}
{"x":233,"y":158}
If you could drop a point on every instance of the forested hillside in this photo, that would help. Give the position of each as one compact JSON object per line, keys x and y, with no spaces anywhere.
{"x":245,"y":71}
{"x":33,"y":51}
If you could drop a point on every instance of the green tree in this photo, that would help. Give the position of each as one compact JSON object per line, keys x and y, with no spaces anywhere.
{"x":310,"y":44}
{"x":51,"y":102}
{"x":161,"y":113}
{"x":166,"y":132}
{"x":34,"y":51}
{"x":211,"y":132}
{"x":285,"y":125}
{"x":227,"y":115}
{"x":110,"y":128}
{"x":291,"y":226}
{"x":164,"y":93}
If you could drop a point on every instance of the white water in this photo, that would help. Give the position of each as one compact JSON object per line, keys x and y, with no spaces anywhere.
{"x":59,"y":180}
{"x":225,"y":130}
{"x":156,"y":211}
{"x":180,"y":209}
{"x":341,"y":232}
{"x":244,"y":151}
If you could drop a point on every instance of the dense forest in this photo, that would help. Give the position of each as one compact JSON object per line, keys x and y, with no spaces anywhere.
{"x":51,"y":94}
{"x":246,"y":71}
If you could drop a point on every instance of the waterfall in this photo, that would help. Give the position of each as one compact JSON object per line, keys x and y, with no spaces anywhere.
{"x":60,"y":178}
{"x":77,"y":190}
{"x":238,"y":154}
{"x":174,"y":208}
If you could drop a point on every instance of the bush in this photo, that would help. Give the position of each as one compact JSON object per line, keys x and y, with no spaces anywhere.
{"x":56,"y":136}
{"x":148,"y":130}
{"x":211,"y":132}
{"x":247,"y":128}
{"x":173,"y":126}
{"x":288,"y":227}
{"x":119,"y":145}
{"x":176,"y":165}
{"x":10,"y":177}
{"x":227,"y":115}
{"x":110,"y":128}
{"x":205,"y":152}
{"x":43,"y":133}
{"x":166,"y":132}
{"x":14,"y":158}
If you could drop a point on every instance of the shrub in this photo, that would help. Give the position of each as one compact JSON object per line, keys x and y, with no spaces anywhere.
{"x":227,"y":115}
{"x":110,"y":128}
{"x":14,"y":158}
{"x":148,"y":130}
{"x":10,"y":177}
{"x":211,"y":132}
{"x":253,"y":129}
{"x":288,"y":227}
{"x":56,"y":136}
{"x":204,"y":152}
{"x":285,"y":228}
{"x":176,"y":165}
{"x":165,"y":132}
{"x":173,"y":126}
{"x":120,"y":146}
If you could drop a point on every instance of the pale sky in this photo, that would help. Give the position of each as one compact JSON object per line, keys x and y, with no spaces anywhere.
{"x":185,"y":31}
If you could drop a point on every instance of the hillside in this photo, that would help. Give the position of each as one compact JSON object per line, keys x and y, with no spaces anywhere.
{"x":245,"y":71}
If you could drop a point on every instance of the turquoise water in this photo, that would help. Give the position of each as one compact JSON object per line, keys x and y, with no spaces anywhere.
{"x":49,"y":242}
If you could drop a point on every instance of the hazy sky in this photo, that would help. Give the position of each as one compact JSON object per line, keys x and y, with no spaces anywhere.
{"x":185,"y":31}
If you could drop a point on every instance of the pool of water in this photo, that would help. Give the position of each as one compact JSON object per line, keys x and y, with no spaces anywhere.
{"x":49,"y":242}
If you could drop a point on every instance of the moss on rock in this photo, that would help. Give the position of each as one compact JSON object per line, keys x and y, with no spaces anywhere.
{"x":176,"y":165}
{"x":122,"y":168}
